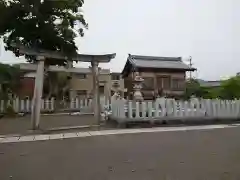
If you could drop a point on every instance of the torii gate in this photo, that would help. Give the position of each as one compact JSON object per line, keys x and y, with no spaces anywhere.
{"x":41,"y":56}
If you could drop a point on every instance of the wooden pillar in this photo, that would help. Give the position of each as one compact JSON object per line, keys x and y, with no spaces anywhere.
{"x":96,"y":103}
{"x":37,"y":97}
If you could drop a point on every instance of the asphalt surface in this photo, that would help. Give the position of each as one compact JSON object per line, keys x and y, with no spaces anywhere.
{"x":181,"y":155}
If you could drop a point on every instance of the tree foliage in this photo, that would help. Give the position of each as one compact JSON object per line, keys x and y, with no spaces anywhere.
{"x":9,"y":79}
{"x":230,"y":89}
{"x":42,"y":24}
{"x":56,"y":84}
{"x":193,"y":88}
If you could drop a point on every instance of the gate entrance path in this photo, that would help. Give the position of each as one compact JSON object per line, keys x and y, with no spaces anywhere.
{"x":42,"y":56}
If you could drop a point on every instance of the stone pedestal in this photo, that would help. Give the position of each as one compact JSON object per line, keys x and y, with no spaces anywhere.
{"x":116,"y":89}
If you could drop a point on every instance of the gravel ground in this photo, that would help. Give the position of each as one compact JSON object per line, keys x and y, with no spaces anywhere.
{"x":183,"y":155}
{"x":21,"y":125}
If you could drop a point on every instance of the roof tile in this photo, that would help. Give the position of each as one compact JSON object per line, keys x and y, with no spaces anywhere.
{"x":159,"y":62}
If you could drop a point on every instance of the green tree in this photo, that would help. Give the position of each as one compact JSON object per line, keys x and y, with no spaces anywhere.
{"x":192,"y":88}
{"x":230,"y":89}
{"x":9,"y":80}
{"x":56,"y":84}
{"x":42,"y":24}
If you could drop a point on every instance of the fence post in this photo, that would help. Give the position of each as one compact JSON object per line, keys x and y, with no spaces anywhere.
{"x":122,"y":108}
{"x":108,"y":103}
{"x":71,"y":103}
{"x":208,"y":105}
{"x":22,"y":108}
{"x":52,"y":104}
{"x":234,"y":108}
{"x":191,"y":108}
{"x":89,"y":102}
{"x":175,"y":109}
{"x":47,"y":103}
{"x":129,"y":109}
{"x":223,"y":108}
{"x":85,"y":102}
{"x":81,"y":104}
{"x":149,"y":108}
{"x":156,"y":107}
{"x":181,"y":108}
{"x":28,"y":105}
{"x":77,"y":103}
{"x":143,"y":109}
{"x":169,"y":106}
{"x":113,"y":108}
{"x":2,"y":106}
{"x":42,"y":104}
{"x":116,"y":108}
{"x":186,"y":106}
{"x":137,"y":110}
{"x":238,"y":108}
{"x":218,"y":108}
{"x":16,"y":107}
{"x":227,"y":108}
{"x":198,"y":109}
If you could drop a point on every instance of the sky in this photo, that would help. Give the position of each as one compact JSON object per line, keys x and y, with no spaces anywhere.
{"x":207,"y":30}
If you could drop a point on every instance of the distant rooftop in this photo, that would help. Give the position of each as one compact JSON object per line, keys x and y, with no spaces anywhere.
{"x":158,"y":62}
{"x":209,"y":83}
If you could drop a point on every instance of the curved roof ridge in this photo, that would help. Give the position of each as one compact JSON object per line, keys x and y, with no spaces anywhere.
{"x":154,"y":58}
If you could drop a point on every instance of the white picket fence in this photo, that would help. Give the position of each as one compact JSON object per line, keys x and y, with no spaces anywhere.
{"x":49,"y":105}
{"x":25,"y":105}
{"x":162,"y":108}
{"x":85,"y":103}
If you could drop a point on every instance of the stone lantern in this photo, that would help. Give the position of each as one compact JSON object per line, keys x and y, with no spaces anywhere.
{"x":137,"y":86}
{"x":116,"y":91}
{"x":115,"y":87}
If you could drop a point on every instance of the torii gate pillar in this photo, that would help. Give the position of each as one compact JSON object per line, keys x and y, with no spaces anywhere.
{"x":37,"y":97}
{"x":96,"y":102}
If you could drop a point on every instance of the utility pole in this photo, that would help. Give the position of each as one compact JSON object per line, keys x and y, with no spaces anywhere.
{"x":190,"y":64}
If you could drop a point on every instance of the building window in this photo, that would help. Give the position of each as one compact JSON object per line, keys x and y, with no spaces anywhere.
{"x":148,"y":83}
{"x":115,"y":77}
{"x":159,"y":82}
{"x":81,"y":76}
{"x":81,"y":92}
{"x":164,"y":82}
{"x":178,"y":84}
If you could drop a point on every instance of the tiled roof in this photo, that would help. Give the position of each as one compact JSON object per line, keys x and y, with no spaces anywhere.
{"x":158,"y":62}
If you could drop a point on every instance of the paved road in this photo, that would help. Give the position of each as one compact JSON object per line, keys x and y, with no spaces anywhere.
{"x":181,"y":155}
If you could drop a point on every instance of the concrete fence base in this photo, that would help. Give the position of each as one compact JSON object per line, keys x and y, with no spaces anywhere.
{"x":162,"y":121}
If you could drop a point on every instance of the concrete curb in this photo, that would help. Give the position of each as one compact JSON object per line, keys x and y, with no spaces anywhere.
{"x":50,"y":130}
{"x":69,"y":128}
{"x":158,"y":122}
{"x":62,"y":136}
